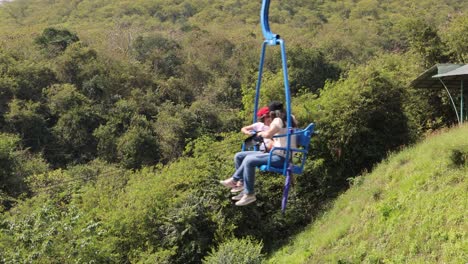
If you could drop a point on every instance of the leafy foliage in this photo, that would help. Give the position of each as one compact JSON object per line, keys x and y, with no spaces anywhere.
{"x":455,"y":35}
{"x":55,"y":41}
{"x":25,"y":119}
{"x":160,"y":53}
{"x":243,"y":251}
{"x":17,"y":165}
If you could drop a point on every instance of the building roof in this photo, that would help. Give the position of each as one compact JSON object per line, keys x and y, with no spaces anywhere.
{"x":460,"y":73}
{"x":451,"y":74}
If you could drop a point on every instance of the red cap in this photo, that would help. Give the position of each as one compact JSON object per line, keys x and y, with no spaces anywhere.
{"x":263,"y":111}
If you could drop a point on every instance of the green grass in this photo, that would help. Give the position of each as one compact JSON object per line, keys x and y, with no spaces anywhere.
{"x":412,"y":208}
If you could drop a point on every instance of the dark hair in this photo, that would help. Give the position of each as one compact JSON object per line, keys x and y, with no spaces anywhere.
{"x":276,"y":110}
{"x":275,"y":105}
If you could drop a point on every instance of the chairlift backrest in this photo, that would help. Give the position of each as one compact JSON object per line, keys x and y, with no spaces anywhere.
{"x":303,"y":138}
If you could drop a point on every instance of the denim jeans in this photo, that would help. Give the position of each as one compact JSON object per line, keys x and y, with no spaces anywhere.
{"x":247,"y":161}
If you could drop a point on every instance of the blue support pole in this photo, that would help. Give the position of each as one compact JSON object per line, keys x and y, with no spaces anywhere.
{"x":288,"y":102}
{"x":267,"y":34}
{"x":287,"y":185}
{"x":259,"y":80}
{"x":272,"y":39}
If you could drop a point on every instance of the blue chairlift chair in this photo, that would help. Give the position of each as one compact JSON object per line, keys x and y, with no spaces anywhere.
{"x":302,"y":138}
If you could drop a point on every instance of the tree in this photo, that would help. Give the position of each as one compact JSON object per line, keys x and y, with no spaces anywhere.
{"x":118,"y":121}
{"x":138,"y":146}
{"x":160,"y":53}
{"x":6,"y":95}
{"x":308,"y":69}
{"x":26,"y":119}
{"x":74,"y":120}
{"x":77,"y":64}
{"x":64,"y":97}
{"x":174,"y":126}
{"x":128,"y":136}
{"x":54,"y":41}
{"x":456,"y":37}
{"x":74,"y":134}
{"x":8,"y":144}
{"x":425,"y":40}
{"x":30,"y":78}
{"x":361,"y":118}
{"x":16,"y":165}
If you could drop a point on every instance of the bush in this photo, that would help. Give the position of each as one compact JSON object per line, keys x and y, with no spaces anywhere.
{"x":241,"y":251}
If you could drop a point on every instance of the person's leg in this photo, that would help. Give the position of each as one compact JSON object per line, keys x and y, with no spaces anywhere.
{"x":249,"y":165}
{"x":237,"y":176}
{"x":239,"y":157}
{"x":238,"y":160}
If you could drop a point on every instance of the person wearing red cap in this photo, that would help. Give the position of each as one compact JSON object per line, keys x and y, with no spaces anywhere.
{"x":263,"y":125}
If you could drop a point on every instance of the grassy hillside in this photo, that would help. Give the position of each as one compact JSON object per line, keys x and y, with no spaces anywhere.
{"x":410,"y":209}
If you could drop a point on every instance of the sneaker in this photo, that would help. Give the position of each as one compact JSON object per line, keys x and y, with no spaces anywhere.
{"x":238,"y":197}
{"x":246,"y":199}
{"x":230,"y":183}
{"x":239,"y":187}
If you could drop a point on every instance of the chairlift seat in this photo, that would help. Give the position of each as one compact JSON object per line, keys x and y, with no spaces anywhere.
{"x":303,"y":138}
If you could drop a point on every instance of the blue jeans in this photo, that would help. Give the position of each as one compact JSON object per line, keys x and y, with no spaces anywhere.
{"x":247,"y":161}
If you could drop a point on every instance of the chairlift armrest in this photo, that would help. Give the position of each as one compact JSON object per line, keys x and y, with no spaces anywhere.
{"x":292,"y":134}
{"x":291,"y":149}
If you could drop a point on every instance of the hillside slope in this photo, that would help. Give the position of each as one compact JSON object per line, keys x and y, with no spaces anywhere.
{"x":410,"y":209}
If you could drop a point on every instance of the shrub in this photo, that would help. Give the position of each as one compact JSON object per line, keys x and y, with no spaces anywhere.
{"x":242,"y":251}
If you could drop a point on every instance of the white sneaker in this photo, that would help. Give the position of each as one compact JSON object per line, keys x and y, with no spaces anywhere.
{"x":230,"y":183}
{"x":238,"y":197}
{"x":246,"y":199}
{"x":239,"y":187}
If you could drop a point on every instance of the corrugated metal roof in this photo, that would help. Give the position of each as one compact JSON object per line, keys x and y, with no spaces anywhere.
{"x":461,"y":73}
{"x":451,"y":74}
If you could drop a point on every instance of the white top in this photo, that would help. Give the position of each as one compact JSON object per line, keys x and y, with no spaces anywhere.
{"x":258,"y":127}
{"x":277,"y":125}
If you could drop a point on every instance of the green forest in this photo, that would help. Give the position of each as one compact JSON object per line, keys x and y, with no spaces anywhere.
{"x":119,"y":118}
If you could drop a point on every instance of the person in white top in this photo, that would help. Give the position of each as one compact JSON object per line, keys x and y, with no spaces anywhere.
{"x":262,"y":125}
{"x":246,"y":169}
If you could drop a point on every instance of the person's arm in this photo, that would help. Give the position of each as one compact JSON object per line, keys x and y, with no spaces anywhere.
{"x":275,"y":127}
{"x":248,"y":130}
{"x":269,"y":145}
